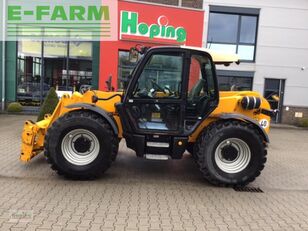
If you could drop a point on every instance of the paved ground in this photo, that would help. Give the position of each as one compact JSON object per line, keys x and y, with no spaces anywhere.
{"x":138,"y":194}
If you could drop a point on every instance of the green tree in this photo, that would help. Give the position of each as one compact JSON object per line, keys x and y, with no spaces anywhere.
{"x":49,"y":105}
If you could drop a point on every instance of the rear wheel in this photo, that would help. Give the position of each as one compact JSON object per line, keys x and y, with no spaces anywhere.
{"x":230,"y":153}
{"x":80,"y":145}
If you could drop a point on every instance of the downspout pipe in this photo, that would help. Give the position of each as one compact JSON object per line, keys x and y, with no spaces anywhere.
{"x":3,"y":54}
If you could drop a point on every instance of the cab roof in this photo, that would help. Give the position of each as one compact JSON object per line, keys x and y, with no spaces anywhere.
{"x":218,"y":57}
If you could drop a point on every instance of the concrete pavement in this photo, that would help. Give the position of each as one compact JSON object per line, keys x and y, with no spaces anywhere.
{"x":138,"y":194}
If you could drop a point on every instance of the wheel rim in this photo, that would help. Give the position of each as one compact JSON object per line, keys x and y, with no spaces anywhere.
{"x":80,"y":147}
{"x":232,"y":155}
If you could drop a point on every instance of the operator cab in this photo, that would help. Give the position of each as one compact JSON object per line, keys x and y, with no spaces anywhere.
{"x":172,"y":90}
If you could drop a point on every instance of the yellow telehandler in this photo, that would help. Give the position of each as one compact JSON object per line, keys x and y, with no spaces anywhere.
{"x":171,"y":104}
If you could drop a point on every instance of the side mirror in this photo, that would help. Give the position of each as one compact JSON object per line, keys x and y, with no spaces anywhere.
{"x":133,"y":55}
{"x":134,"y":52}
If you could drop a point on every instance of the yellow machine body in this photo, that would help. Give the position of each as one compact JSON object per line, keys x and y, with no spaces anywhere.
{"x":33,"y":134}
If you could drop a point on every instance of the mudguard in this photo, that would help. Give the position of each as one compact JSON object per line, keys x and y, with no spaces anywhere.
{"x":97,"y":110}
{"x":227,"y":116}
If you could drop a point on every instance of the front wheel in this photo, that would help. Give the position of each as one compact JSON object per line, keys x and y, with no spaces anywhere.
{"x":231,"y":153}
{"x":80,"y":145}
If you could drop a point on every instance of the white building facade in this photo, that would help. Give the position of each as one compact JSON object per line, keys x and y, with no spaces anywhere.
{"x":271,"y":38}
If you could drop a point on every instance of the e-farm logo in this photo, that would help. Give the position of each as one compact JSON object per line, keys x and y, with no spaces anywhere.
{"x":62,"y":20}
{"x":75,"y":13}
{"x":130,"y":25}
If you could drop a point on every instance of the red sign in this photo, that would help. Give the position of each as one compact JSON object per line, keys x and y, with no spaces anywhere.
{"x":159,"y":24}
{"x":149,"y":25}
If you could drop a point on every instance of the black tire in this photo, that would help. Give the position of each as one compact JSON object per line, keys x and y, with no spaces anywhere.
{"x":89,"y":121}
{"x":115,"y":149}
{"x":215,"y":135}
{"x":190,"y":148}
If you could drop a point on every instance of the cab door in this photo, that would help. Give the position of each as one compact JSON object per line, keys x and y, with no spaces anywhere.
{"x":153,"y":109}
{"x":155,"y":103}
{"x":202,"y":90}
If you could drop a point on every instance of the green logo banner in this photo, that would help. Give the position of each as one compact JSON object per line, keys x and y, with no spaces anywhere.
{"x":160,"y":30}
{"x":57,"y":20}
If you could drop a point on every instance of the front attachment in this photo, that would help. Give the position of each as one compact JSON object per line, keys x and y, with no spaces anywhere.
{"x":33,"y":138}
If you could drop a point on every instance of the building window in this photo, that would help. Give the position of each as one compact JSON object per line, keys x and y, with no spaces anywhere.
{"x":67,"y":67}
{"x":233,"y":30}
{"x":235,"y":80}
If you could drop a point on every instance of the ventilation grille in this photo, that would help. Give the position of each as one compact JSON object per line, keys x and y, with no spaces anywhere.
{"x":248,"y":189}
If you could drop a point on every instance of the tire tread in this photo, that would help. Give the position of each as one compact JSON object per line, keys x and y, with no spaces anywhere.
{"x":208,"y":133}
{"x":92,"y":174}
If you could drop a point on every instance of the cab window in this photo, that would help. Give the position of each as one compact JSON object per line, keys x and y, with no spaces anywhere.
{"x":201,"y":79}
{"x":201,"y":89}
{"x":161,"y":77}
